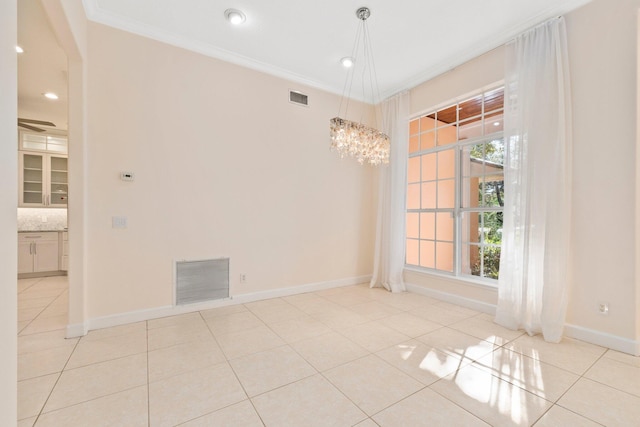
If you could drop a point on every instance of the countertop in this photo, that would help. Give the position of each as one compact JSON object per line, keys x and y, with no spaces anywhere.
{"x":41,"y":230}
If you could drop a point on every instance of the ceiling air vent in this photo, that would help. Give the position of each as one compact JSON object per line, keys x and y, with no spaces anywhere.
{"x":298,"y":98}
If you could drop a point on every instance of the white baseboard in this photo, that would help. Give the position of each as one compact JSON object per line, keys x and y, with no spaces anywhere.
{"x":303,"y":289}
{"x":452,"y":298}
{"x":614,"y":342}
{"x":592,"y":336}
{"x":157,"y":312}
{"x":603,"y":339}
{"x":76,"y":330}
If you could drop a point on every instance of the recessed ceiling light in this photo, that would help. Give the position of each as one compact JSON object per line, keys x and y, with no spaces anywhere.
{"x":347,"y":62}
{"x":496,"y":123}
{"x":50,"y":95}
{"x":19,"y":49}
{"x":234,"y":16}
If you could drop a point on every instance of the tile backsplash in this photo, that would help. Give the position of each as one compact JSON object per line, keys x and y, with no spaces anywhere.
{"x":41,"y":219}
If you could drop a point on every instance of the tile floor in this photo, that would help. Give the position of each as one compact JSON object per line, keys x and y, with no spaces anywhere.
{"x":350,"y":356}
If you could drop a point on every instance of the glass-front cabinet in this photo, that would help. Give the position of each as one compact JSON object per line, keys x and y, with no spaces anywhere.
{"x":58,"y":181}
{"x":43,"y":180}
{"x":43,"y":170}
{"x":32,"y":179}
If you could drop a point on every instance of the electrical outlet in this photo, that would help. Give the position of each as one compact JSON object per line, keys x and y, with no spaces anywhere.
{"x":243,"y":278}
{"x":603,"y":308}
{"x":43,"y":218}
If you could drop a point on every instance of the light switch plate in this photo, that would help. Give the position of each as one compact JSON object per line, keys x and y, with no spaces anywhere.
{"x":118,"y":222}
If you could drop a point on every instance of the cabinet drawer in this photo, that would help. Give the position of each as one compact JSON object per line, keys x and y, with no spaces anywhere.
{"x":38,"y":237}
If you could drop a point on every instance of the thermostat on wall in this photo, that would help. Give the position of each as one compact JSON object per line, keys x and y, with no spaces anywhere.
{"x":126,"y":176}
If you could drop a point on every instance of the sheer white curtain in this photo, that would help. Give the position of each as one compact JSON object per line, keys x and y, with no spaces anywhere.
{"x":535,"y":244}
{"x":389,"y":250}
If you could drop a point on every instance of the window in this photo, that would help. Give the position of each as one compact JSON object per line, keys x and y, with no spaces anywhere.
{"x":455,"y":187}
{"x":43,"y":142}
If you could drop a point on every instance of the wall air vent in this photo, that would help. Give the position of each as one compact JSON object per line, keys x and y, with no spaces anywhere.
{"x":200,"y":281}
{"x":298,"y":98}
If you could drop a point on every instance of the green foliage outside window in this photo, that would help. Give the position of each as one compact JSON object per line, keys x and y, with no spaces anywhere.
{"x":493,"y":191}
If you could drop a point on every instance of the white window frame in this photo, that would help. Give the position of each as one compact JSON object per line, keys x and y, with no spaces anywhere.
{"x":458,"y":211}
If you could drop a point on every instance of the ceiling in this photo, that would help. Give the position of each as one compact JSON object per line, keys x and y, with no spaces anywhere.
{"x":41,"y":68}
{"x":413,"y":40}
{"x":302,"y":41}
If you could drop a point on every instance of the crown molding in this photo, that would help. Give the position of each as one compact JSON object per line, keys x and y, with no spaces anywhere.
{"x":96,"y":14}
{"x":485,"y":46}
{"x":101,"y":16}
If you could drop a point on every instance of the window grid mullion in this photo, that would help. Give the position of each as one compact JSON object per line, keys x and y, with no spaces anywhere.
{"x":458,"y":209}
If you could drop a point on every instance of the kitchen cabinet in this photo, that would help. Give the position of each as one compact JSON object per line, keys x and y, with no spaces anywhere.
{"x":43,"y":179}
{"x":38,"y":252}
{"x":64,"y":251}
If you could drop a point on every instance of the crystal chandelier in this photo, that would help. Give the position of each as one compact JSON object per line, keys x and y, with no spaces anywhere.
{"x":355,"y":139}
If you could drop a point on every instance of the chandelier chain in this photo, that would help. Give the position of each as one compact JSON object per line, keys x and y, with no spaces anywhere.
{"x":355,"y":139}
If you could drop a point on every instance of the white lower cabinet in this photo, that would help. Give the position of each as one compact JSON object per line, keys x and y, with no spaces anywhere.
{"x":38,"y":252}
{"x":64,"y":255}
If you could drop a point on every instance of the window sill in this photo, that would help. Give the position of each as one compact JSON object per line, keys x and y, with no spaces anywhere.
{"x":462,"y":280}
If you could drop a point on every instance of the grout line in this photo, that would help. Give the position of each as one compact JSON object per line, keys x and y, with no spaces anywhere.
{"x":456,"y":404}
{"x":231,"y":367}
{"x":542,"y":415}
{"x":635,"y":396}
{"x":424,"y":387}
{"x":574,"y":412}
{"x":146,"y":324}
{"x":56,"y":383}
{"x":92,"y":399}
{"x":38,"y":317}
{"x":342,"y":392}
{"x":311,"y":365}
{"x":38,"y":280}
{"x":322,"y":374}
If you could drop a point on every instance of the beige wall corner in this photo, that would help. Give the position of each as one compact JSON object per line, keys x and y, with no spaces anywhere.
{"x":8,"y":212}
{"x":637,"y":210}
{"x":481,"y":72}
{"x":606,"y":194}
{"x":604,"y":82}
{"x":69,"y":23}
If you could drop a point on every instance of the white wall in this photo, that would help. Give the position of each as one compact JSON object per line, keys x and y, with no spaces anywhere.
{"x":8,"y":212}
{"x":603,"y":59}
{"x":224,"y":166}
{"x":68,"y":20}
{"x":485,"y":70}
{"x":637,"y":210}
